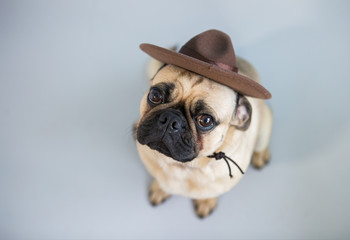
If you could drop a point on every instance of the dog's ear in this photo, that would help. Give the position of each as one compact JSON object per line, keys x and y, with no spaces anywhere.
{"x":154,"y":66}
{"x":242,"y":114}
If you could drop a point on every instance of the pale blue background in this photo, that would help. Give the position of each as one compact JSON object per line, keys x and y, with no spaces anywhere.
{"x":72,"y":76}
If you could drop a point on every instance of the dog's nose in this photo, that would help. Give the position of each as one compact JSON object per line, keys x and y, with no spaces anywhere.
{"x":171,"y":120}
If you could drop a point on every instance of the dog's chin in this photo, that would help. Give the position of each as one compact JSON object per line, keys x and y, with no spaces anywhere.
{"x":163,"y":149}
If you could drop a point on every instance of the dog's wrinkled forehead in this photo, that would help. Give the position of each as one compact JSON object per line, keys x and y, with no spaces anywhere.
{"x":192,"y":88}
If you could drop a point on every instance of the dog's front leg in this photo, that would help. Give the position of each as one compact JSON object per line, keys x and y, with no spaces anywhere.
{"x":204,"y":207}
{"x":156,"y":194}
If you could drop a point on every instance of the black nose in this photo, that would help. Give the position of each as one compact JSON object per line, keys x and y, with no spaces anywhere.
{"x":172,"y":120}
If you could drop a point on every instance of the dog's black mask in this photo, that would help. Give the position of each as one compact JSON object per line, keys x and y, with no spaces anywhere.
{"x":168,"y":132}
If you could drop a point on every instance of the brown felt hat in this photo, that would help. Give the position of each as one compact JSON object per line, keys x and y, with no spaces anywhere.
{"x":210,"y":54}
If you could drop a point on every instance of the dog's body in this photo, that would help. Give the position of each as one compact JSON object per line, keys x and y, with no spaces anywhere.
{"x":242,"y":133}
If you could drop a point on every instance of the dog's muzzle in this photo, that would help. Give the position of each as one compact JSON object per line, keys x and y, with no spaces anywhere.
{"x":168,"y":132}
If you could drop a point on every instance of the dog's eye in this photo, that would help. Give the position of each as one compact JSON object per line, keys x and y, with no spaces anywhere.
{"x":205,"y":122}
{"x":155,"y":96}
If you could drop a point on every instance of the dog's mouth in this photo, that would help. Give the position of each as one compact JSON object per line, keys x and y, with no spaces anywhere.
{"x":172,"y":152}
{"x":160,"y":147}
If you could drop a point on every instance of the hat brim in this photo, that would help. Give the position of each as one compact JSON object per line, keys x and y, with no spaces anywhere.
{"x":237,"y":82}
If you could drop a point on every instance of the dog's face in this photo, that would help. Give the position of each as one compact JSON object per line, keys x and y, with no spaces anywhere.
{"x":185,"y":115}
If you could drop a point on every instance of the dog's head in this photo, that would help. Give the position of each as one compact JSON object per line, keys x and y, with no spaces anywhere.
{"x":185,"y":115}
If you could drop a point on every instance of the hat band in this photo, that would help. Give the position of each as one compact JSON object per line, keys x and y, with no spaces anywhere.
{"x":192,"y":53}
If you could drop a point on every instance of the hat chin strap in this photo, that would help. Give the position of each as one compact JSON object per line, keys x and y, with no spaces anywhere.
{"x":192,"y":53}
{"x":221,"y":155}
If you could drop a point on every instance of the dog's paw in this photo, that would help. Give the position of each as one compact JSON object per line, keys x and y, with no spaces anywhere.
{"x":260,"y":159}
{"x":156,"y":195}
{"x":204,"y":207}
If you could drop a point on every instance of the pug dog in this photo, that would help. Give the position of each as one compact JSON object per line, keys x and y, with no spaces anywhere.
{"x":202,"y":122}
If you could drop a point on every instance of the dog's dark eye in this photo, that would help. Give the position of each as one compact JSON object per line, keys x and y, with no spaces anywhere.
{"x":205,"y":122}
{"x":155,"y":96}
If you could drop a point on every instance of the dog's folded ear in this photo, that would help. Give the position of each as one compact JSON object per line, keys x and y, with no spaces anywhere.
{"x":242,"y":114}
{"x":154,"y":66}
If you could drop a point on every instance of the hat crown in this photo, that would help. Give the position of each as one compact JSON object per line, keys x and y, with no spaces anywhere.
{"x":214,"y":47}
{"x":211,"y":55}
